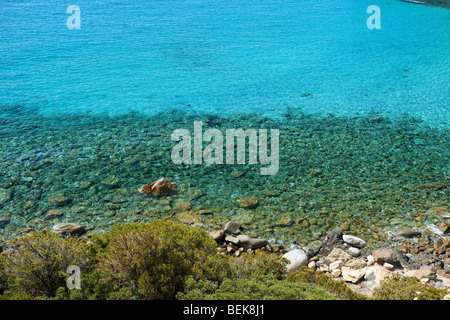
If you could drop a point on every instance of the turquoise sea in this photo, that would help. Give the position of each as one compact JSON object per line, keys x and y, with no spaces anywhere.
{"x":363,"y":114}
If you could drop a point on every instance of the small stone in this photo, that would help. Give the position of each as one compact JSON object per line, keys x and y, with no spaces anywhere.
{"x":370,"y":260}
{"x":244,"y":241}
{"x":335,"y":273}
{"x":338,"y":254}
{"x":388,"y":266}
{"x":3,"y":222}
{"x":256,"y":243}
{"x":68,"y":229}
{"x":312,"y":265}
{"x":204,"y":212}
{"x":53,"y":214}
{"x":247,"y":202}
{"x":441,"y":211}
{"x":354,"y":241}
{"x":424,"y":272}
{"x":436,"y":186}
{"x":355,"y":264}
{"x":60,"y":201}
{"x":444,"y":227}
{"x":345,"y":225}
{"x":183,"y":206}
{"x":407,"y":233}
{"x":232,"y":227}
{"x":188,"y":217}
{"x":353,"y":276}
{"x":404,"y":249}
{"x":247,"y":242}
{"x":285,"y":222}
{"x":336,"y":265}
{"x":158,"y":187}
{"x":446,"y":242}
{"x":217,"y":235}
{"x":112,"y":206}
{"x":5,"y":196}
{"x":383,"y":255}
{"x":323,"y":268}
{"x":354,"y":252}
{"x":233,"y":240}
{"x":314,"y":172}
{"x":297,"y":258}
{"x":276,"y":247}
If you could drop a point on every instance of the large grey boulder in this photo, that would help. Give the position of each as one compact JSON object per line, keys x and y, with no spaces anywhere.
{"x":297,"y":258}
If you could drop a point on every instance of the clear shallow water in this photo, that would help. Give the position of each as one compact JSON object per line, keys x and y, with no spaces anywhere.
{"x":173,"y":63}
{"x":226,"y":57}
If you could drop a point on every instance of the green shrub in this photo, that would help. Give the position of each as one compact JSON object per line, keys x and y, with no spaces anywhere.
{"x":319,"y":279}
{"x":255,"y":288}
{"x":154,"y":259}
{"x":256,"y":265}
{"x":93,"y":287}
{"x":36,"y":263}
{"x":406,"y":288}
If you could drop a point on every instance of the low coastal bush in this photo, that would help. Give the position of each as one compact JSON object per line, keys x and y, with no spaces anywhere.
{"x":255,"y":288}
{"x":36,"y":263}
{"x":406,"y":288}
{"x":165,"y":259}
{"x":256,"y":265}
{"x":154,"y":259}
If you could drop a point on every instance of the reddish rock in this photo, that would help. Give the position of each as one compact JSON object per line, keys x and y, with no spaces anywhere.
{"x":158,"y":187}
{"x":444,"y":227}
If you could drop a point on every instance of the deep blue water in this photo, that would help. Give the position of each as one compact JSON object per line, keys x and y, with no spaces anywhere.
{"x":226,"y":57}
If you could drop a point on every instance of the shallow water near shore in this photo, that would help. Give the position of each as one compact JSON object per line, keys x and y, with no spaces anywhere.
{"x":86,"y":116}
{"x":368,"y":175}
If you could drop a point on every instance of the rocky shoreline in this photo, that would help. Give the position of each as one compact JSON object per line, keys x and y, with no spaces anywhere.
{"x":346,"y":257}
{"x":341,"y":256}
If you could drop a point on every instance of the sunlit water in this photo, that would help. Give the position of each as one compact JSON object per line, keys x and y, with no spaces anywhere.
{"x":278,"y":62}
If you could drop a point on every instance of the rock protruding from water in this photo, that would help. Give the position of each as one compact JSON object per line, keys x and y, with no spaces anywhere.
{"x":232,"y":240}
{"x":158,"y":187}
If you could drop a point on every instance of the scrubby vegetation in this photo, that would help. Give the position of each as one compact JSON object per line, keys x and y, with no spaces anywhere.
{"x":407,"y":288}
{"x":167,"y":260}
{"x":36,"y":264}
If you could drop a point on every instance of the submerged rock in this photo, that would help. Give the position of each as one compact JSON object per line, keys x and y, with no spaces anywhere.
{"x":247,"y":202}
{"x":68,"y":229}
{"x":3,"y":222}
{"x":158,"y":187}
{"x":436,"y":186}
{"x":53,"y":214}
{"x":408,"y":233}
{"x":5,"y":196}
{"x":60,"y":201}
{"x":188,"y":217}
